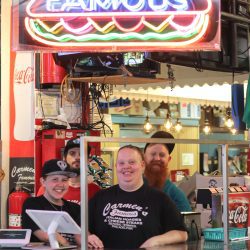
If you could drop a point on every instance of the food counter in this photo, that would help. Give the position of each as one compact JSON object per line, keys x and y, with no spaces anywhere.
{"x":224,"y":145}
{"x":197,"y":245}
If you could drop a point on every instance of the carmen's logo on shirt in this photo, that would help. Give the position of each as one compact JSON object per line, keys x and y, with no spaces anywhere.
{"x":119,"y":210}
{"x":124,"y":216}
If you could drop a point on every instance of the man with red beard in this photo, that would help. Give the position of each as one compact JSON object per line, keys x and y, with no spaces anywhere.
{"x":157,"y":156}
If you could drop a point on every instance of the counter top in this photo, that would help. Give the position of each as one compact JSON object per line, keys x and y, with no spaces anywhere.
{"x":193,"y":245}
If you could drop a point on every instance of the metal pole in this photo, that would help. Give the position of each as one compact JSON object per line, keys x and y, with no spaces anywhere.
{"x":240,"y":19}
{"x":225,"y":193}
{"x":219,"y":158}
{"x":234,"y":59}
{"x":84,"y":192}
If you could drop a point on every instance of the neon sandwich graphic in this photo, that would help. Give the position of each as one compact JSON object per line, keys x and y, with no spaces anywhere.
{"x":127,"y":23}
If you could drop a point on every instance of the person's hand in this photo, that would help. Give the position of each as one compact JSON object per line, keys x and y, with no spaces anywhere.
{"x":151,"y":242}
{"x":62,"y":241}
{"x":94,"y":242}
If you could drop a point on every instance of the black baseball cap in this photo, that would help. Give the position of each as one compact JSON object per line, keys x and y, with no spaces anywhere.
{"x":163,"y":135}
{"x":73,"y":143}
{"x":57,"y":167}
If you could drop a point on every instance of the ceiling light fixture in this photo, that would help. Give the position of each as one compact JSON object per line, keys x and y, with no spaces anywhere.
{"x":206,"y":128}
{"x":168,"y":123}
{"x":178,"y":126}
{"x":233,"y":131}
{"x":147,"y":126}
{"x":229,"y":123}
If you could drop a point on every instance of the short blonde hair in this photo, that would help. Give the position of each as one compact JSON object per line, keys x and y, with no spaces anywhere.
{"x":135,"y":148}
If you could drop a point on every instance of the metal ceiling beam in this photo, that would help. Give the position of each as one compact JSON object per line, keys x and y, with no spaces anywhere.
{"x":235,"y":17}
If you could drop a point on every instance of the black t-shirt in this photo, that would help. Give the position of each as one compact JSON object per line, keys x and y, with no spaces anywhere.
{"x":127,"y":219}
{"x":41,"y":203}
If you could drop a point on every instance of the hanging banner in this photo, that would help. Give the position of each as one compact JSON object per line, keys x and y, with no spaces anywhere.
{"x":116,"y":25}
{"x":22,"y":121}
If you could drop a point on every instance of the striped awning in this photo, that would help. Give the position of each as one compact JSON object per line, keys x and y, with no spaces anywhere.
{"x":190,"y":85}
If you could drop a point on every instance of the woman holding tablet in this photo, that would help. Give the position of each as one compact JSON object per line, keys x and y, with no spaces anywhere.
{"x":55,"y":180}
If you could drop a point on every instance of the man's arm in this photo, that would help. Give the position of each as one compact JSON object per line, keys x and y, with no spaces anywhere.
{"x":171,"y":237}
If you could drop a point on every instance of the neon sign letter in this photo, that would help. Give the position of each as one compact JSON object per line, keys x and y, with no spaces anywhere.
{"x":51,"y":5}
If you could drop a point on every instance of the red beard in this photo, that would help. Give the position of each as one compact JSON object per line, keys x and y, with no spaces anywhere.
{"x":156,"y":178}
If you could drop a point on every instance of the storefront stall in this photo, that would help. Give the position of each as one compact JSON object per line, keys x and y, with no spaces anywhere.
{"x":33,"y":30}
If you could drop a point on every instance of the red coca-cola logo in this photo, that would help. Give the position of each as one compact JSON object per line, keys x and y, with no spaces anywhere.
{"x":24,"y":76}
{"x":239,"y":215}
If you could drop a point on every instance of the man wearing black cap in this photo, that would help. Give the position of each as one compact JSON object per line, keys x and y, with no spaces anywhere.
{"x":157,"y":156}
{"x":71,"y":155}
{"x":55,"y":180}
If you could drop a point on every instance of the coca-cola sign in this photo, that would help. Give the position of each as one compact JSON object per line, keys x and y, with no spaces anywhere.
{"x":24,"y":89}
{"x":238,"y":212}
{"x":24,"y":76}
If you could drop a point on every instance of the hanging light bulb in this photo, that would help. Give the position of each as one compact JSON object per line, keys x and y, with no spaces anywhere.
{"x":229,"y":123}
{"x":147,"y":125}
{"x":168,"y":123}
{"x":234,"y":131}
{"x":207,"y":128}
{"x":178,"y":126}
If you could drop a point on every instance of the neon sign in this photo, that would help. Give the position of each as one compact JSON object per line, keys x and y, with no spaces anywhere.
{"x":118,"y":25}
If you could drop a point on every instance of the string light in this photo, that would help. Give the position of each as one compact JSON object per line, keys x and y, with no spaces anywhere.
{"x":234,"y":131}
{"x":147,"y":126}
{"x":207,"y":128}
{"x":168,"y":123}
{"x":229,"y":123}
{"x":178,"y":126}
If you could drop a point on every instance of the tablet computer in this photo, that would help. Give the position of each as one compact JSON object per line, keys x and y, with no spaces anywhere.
{"x":44,"y":218}
{"x":14,"y":237}
{"x":52,"y":222}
